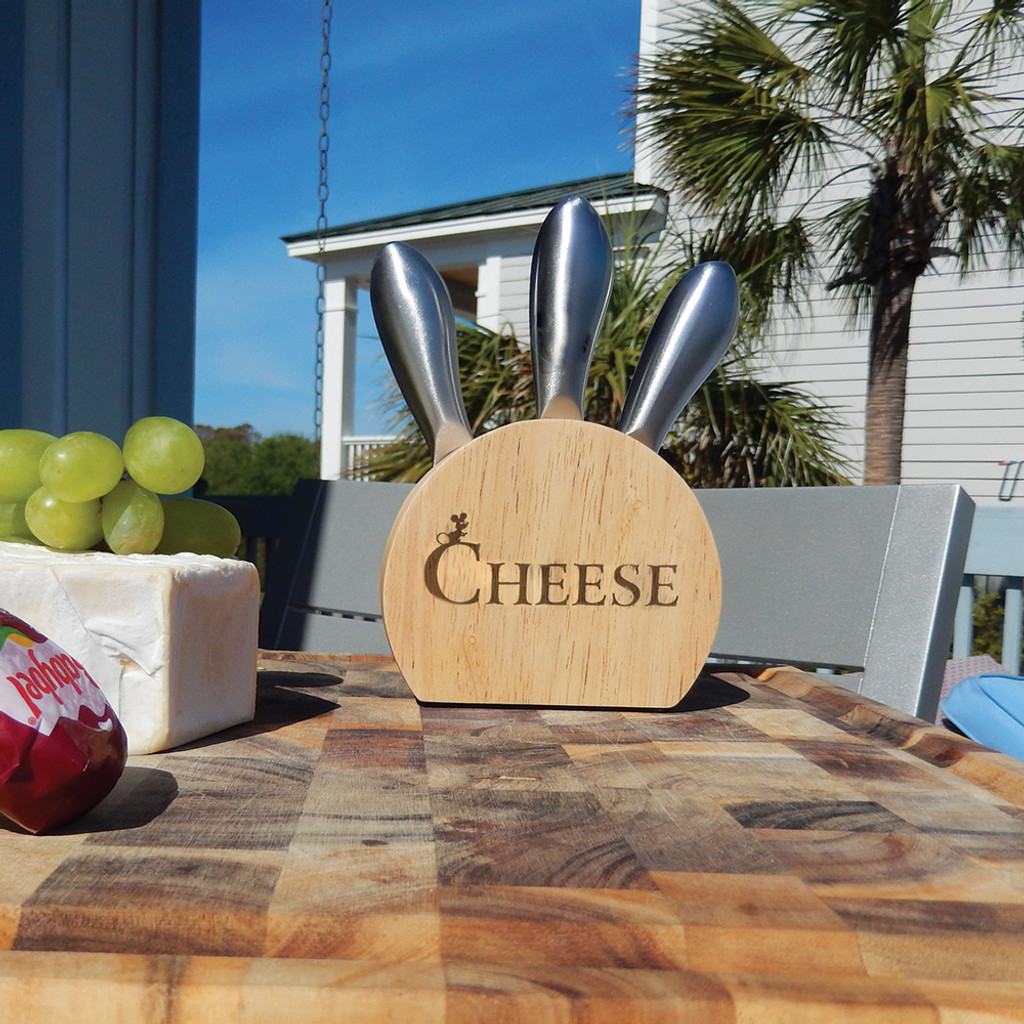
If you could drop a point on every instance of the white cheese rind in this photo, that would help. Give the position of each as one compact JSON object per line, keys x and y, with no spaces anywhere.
{"x":170,"y":639}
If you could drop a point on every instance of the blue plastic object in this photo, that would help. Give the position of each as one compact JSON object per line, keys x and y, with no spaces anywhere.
{"x":990,"y":710}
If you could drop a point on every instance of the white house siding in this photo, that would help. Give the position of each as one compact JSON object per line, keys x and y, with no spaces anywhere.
{"x":514,"y":298}
{"x":965,"y":388}
{"x":965,"y":400}
{"x":488,"y":311}
{"x":965,"y":405}
{"x":515,"y":293}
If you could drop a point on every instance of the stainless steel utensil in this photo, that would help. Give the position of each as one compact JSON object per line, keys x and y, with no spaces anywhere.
{"x":690,"y":335}
{"x":570,"y":282}
{"x":414,"y":318}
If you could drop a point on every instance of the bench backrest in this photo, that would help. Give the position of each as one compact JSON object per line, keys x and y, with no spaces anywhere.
{"x":323,"y":581}
{"x":844,"y":577}
{"x":835,"y":577}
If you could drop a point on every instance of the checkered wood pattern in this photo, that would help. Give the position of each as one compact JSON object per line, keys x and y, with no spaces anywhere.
{"x":772,"y":850}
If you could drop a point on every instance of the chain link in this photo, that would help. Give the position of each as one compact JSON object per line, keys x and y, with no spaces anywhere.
{"x":321,"y":221}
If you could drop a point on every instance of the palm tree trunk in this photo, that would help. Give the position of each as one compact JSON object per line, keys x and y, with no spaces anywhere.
{"x":887,"y":378}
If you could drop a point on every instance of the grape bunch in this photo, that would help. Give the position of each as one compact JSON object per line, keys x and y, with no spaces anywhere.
{"x":82,"y":492}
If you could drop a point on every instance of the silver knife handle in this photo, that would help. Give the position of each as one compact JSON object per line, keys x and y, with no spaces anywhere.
{"x":570,"y":282}
{"x":413,"y":313}
{"x":690,"y":335}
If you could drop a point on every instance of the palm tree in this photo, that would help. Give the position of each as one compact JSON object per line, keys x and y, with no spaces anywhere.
{"x":736,"y":432}
{"x":867,"y":135}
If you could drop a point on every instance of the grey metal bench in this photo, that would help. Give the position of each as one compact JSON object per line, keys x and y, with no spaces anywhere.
{"x":323,"y":581}
{"x":857,"y":578}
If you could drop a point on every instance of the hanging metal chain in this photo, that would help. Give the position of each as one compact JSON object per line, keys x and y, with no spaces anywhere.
{"x":321,"y":221}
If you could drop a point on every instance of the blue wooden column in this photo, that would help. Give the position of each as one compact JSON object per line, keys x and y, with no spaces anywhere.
{"x":98,"y":169}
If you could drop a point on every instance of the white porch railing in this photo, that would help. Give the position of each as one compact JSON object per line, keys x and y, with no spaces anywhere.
{"x":996,"y":549}
{"x":355,"y":447}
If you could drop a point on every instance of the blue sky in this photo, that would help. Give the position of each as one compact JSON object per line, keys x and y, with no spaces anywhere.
{"x":432,"y":102}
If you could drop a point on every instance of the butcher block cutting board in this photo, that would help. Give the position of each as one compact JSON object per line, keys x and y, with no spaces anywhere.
{"x":770,"y":850}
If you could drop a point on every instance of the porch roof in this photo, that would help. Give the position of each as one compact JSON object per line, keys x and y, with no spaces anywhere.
{"x":597,"y":189}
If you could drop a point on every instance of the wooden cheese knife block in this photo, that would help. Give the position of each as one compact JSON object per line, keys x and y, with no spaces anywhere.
{"x":551,"y":562}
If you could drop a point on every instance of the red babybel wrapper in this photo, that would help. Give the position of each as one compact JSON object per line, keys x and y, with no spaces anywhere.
{"x":62,"y":748}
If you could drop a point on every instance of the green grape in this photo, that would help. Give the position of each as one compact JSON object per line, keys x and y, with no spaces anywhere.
{"x":12,"y":522}
{"x":164,"y":455}
{"x":19,"y":462}
{"x":81,"y":466}
{"x":66,"y":525}
{"x":201,"y":527}
{"x":133,"y":519}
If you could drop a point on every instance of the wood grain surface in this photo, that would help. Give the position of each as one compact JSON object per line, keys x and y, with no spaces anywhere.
{"x":773,"y":850}
{"x":551,"y":562}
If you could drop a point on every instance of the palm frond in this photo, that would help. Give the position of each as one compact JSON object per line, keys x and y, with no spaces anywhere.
{"x":988,"y":196}
{"x":772,"y":261}
{"x":737,"y":118}
{"x":849,"y":239}
{"x":726,"y":108}
{"x":847,"y":40}
{"x":742,"y":432}
{"x":998,"y":30}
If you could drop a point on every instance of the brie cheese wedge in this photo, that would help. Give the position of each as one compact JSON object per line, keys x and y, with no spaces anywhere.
{"x":170,"y":639}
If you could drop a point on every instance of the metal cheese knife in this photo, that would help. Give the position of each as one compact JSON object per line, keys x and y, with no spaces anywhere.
{"x":570,"y":282}
{"x":413,"y":313}
{"x":690,"y":335}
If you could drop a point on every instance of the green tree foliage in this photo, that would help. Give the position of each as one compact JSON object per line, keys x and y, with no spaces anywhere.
{"x":867,"y":135}
{"x":736,"y":432}
{"x":241,"y":461}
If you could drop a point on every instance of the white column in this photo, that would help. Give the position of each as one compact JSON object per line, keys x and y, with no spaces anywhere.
{"x":341,"y":303}
{"x":655,"y":18}
{"x":488,"y":294}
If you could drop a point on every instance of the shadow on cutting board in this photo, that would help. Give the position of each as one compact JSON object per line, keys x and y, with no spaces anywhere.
{"x":140,"y":796}
{"x":711,"y":692}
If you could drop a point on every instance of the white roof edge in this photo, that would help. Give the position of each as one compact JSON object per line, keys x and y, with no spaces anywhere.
{"x":516,"y":220}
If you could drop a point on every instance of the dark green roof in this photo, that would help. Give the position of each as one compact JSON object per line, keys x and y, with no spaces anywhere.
{"x":605,"y":186}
